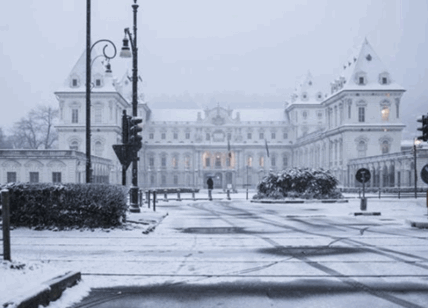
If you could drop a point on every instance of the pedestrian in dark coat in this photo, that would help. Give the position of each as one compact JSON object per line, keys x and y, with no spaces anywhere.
{"x":210,"y":184}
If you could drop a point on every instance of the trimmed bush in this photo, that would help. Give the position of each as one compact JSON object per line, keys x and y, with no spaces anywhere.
{"x":305,"y":183}
{"x":45,"y":205}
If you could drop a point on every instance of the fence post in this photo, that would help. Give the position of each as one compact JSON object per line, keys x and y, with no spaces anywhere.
{"x":6,"y":224}
{"x":379,"y":191}
{"x":165,"y":196}
{"x":193,"y":195}
{"x":228,"y":194}
{"x":178,"y":195}
{"x":148,"y":197}
{"x":154,"y":200}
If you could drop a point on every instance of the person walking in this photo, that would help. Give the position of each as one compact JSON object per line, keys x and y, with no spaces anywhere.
{"x":210,"y":184}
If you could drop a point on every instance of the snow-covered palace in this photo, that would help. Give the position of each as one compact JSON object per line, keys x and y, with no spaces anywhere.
{"x":356,"y":124}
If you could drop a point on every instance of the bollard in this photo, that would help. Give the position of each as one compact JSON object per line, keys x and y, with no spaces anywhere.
{"x":379,"y":192}
{"x":178,"y":195}
{"x":154,"y":201}
{"x":247,"y":193}
{"x":6,"y":224}
{"x":165,"y":196}
{"x":148,"y":197}
{"x":363,"y":204}
{"x":193,"y":195}
{"x":228,"y":194}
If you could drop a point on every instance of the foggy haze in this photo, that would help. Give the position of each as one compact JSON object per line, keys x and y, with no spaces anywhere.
{"x":199,"y":53}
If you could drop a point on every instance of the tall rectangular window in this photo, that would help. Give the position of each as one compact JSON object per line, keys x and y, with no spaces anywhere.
{"x":175,"y":179}
{"x":151,"y":136}
{"x":11,"y":177}
{"x":273,"y":161}
{"x":207,"y":137}
{"x":75,"y":116}
{"x":175,"y":135}
{"x":272,"y":135}
{"x":163,"y":162}
{"x":361,"y":114}
{"x":34,"y":177}
{"x":163,"y":136}
{"x":349,"y":111}
{"x":163,"y":179}
{"x":151,"y":161}
{"x":285,"y":136}
{"x":261,"y":136}
{"x":207,"y":162}
{"x":249,"y":135}
{"x":187,"y":135}
{"x":56,"y":177}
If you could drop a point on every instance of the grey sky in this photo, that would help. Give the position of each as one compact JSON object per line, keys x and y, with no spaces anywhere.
{"x":234,"y":52}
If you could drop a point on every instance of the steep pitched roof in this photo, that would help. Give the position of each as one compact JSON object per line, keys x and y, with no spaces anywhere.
{"x":306,"y":91}
{"x":367,"y":65}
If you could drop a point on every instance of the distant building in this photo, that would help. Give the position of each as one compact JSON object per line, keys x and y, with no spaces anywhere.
{"x":356,"y":124}
{"x":55,"y":166}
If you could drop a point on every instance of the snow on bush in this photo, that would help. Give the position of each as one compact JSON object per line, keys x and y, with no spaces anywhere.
{"x":305,"y":183}
{"x":46,"y":205}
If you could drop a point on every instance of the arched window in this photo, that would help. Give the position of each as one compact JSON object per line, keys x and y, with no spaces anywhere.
{"x":218,"y":161}
{"x":74,"y":146}
{"x":385,"y":147}
{"x":361,"y":149}
{"x":249,"y":161}
{"x":385,"y":113}
{"x":285,"y":161}
{"x":98,"y":148}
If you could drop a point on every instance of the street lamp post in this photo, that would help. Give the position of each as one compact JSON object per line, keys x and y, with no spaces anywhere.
{"x":127,"y":53}
{"x":89,"y":63}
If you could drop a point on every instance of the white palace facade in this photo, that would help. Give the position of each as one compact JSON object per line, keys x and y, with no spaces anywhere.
{"x":356,"y":124}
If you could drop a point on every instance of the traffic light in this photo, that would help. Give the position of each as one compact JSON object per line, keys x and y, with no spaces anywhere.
{"x":424,"y":128}
{"x":125,"y":128}
{"x":134,"y":128}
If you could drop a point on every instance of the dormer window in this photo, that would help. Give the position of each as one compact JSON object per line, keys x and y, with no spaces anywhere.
{"x":74,"y":82}
{"x":361,"y":80}
{"x":98,"y":82}
{"x":305,"y":115}
{"x":384,"y":78}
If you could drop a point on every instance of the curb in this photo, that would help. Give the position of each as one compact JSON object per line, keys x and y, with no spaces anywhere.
{"x":49,"y":291}
{"x":301,"y":201}
{"x":418,"y":224}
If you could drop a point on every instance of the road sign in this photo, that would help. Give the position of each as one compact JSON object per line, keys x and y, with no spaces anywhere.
{"x":123,"y":153}
{"x":363,"y":175}
{"x":424,"y":174}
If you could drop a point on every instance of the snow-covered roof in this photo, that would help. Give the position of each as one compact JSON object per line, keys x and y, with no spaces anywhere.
{"x":306,"y":91}
{"x":267,"y":115}
{"x":175,"y":115}
{"x":367,"y":64}
{"x":191,"y":115}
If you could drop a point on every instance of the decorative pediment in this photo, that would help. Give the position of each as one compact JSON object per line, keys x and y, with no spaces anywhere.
{"x":218,"y":116}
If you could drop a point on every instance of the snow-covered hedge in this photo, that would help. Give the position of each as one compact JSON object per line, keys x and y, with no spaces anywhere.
{"x":45,"y":205}
{"x":306,"y":183}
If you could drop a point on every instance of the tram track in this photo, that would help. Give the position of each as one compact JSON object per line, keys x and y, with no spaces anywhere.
{"x":323,"y":268}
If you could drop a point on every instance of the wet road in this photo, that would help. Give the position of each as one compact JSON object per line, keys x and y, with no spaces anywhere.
{"x":237,"y":254}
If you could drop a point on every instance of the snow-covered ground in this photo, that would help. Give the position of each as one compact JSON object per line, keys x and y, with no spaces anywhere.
{"x":25,"y":275}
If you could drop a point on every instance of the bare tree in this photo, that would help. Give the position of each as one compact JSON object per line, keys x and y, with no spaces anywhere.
{"x":36,"y":130}
{"x":5,"y":142}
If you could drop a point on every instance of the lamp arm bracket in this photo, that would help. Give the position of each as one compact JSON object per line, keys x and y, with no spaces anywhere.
{"x":131,"y":39}
{"x":105,"y":47}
